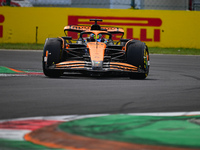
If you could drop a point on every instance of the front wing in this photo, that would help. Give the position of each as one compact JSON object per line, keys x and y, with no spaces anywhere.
{"x":87,"y":66}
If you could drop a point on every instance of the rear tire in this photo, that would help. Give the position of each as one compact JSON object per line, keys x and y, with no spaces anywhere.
{"x":53,"y":48}
{"x":138,"y":55}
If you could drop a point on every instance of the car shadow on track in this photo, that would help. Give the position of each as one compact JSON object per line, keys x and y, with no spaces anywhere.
{"x":98,"y":76}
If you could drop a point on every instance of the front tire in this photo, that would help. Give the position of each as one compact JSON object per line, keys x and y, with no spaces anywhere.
{"x":138,"y":55}
{"x":52,"y":54}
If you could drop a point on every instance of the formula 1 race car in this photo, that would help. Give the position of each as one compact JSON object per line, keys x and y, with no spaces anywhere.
{"x":95,"y":53}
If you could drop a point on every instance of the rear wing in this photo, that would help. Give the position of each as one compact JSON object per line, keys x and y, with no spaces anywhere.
{"x":75,"y":28}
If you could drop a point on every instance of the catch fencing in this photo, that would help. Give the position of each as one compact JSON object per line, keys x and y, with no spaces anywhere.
{"x":119,"y":4}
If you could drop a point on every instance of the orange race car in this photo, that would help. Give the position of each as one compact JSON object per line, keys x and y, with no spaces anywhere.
{"x":95,"y":53}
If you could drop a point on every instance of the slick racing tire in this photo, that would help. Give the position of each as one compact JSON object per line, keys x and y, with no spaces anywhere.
{"x":52,"y":54}
{"x":138,"y":55}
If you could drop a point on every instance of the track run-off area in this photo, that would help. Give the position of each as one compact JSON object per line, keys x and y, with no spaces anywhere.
{"x":77,"y":112}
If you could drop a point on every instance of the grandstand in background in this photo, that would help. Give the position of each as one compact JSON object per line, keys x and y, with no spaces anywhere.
{"x":113,"y":4}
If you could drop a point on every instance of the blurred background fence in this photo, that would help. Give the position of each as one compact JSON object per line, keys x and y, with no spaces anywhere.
{"x":120,"y":4}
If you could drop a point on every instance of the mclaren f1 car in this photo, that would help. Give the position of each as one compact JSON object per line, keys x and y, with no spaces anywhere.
{"x":95,"y":52}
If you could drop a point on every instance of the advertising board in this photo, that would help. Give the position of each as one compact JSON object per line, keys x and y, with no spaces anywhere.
{"x":157,"y":28}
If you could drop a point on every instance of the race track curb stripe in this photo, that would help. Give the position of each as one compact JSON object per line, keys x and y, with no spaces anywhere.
{"x":16,"y":124}
{"x":27,"y":137}
{"x":13,"y":134}
{"x":17,"y":71}
{"x":10,"y":72}
{"x":174,"y":131}
{"x":64,"y":140}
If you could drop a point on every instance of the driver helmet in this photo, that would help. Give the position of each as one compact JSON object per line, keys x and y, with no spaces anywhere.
{"x":99,"y":37}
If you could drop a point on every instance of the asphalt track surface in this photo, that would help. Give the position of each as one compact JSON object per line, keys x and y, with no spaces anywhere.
{"x":173,"y":85}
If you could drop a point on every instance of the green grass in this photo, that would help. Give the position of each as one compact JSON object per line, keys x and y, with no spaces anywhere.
{"x":176,"y":51}
{"x":21,"y":46}
{"x":153,"y":50}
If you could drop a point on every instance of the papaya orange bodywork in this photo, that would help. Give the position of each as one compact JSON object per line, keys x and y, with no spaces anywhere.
{"x":96,"y":50}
